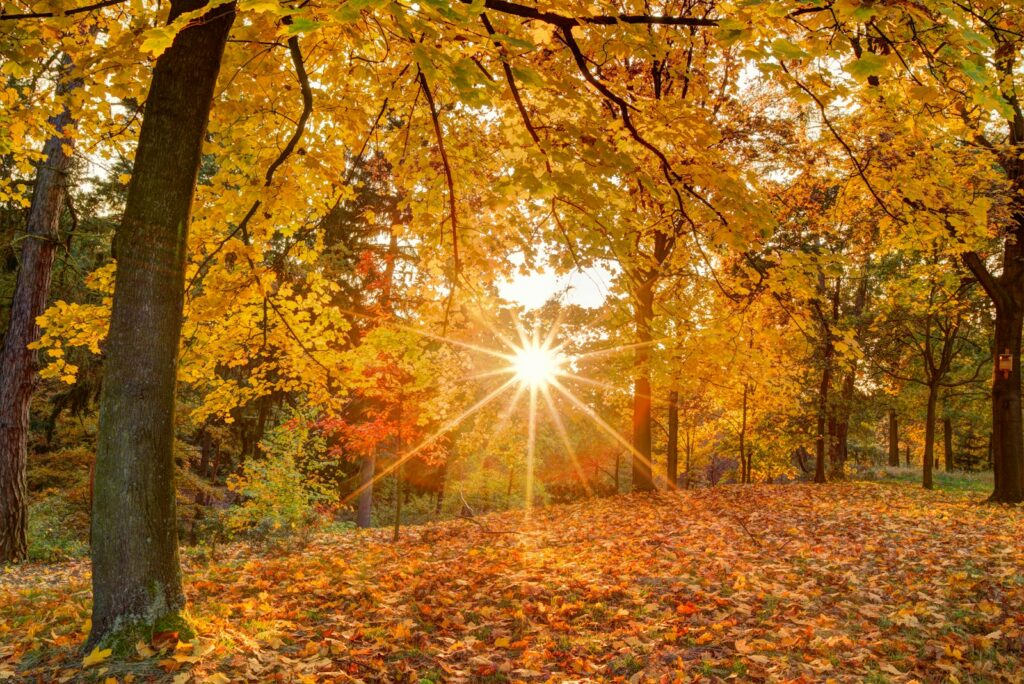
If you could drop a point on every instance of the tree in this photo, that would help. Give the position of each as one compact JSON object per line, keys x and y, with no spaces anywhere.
{"x":136,"y":575}
{"x":19,"y":362}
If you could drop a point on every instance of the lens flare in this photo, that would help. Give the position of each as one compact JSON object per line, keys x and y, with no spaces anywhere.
{"x":536,"y":366}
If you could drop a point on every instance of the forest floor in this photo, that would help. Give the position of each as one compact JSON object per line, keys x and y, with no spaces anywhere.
{"x":860,"y":582}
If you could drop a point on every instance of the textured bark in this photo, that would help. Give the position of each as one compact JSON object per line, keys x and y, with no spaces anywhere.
{"x":19,"y":364}
{"x":672,"y":448}
{"x":894,"y":439}
{"x":366,"y":491}
{"x":136,"y":575}
{"x":744,"y":456}
{"x":643,"y":479}
{"x":928,"y":462}
{"x":1007,"y":429}
{"x":826,"y":379}
{"x":947,"y":443}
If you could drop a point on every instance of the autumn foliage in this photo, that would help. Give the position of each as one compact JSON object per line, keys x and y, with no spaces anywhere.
{"x":847,"y":583}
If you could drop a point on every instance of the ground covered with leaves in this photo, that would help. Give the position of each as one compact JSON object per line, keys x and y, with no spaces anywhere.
{"x":851,"y":582}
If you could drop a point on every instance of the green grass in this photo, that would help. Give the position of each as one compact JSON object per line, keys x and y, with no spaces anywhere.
{"x":944,"y":481}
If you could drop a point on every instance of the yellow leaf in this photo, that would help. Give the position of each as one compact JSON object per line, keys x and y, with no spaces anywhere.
{"x":96,"y":657}
{"x":217,"y":678}
{"x":502,"y":642}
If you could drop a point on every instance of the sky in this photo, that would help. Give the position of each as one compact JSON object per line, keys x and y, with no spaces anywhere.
{"x":587,"y":287}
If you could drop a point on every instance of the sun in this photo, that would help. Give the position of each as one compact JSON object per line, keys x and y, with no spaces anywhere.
{"x":536,"y":366}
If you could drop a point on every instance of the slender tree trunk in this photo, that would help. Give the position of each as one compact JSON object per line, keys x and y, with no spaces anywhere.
{"x":947,"y":443}
{"x":18,"y":363}
{"x":744,"y":457}
{"x":399,"y":472}
{"x":689,"y":455}
{"x":929,"y":438}
{"x":398,"y":500}
{"x":136,"y":575}
{"x":439,"y":504}
{"x":894,"y":440}
{"x":643,"y":480}
{"x":672,"y":448}
{"x":826,"y":376}
{"x":906,"y":453}
{"x":365,"y":506}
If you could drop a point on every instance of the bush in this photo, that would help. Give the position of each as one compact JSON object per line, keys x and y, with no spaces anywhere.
{"x":279,"y":499}
{"x":55,"y":530}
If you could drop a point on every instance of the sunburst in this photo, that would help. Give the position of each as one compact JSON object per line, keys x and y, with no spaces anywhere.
{"x":535,"y":366}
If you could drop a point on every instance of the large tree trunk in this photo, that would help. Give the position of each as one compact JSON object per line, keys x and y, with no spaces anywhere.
{"x":18,"y":363}
{"x":929,"y":438}
{"x":672,"y":448}
{"x":947,"y":443}
{"x":365,"y":507}
{"x":643,"y":479}
{"x":136,"y":576}
{"x":894,"y":440}
{"x":1007,"y":429}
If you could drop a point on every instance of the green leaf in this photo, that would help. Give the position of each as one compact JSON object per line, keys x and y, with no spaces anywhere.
{"x":976,"y":72}
{"x":869,"y":64}
{"x":302,"y":25}
{"x":784,"y":49}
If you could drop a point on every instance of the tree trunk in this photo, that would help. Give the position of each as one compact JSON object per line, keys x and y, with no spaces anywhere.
{"x":894,"y":440}
{"x":18,"y":363}
{"x":136,"y":575}
{"x":744,"y":457}
{"x":826,"y":373}
{"x":365,"y":506}
{"x":929,"y":438}
{"x":672,"y":448}
{"x":439,"y":504}
{"x":1007,"y":430}
{"x":689,"y":455}
{"x":947,"y":443}
{"x":643,"y":480}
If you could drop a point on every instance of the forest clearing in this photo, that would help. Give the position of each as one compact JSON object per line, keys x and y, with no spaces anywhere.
{"x":860,"y":582}
{"x":511,"y":340}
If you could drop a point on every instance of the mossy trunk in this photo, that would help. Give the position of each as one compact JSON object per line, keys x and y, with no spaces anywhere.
{"x":18,"y":363}
{"x":135,"y":572}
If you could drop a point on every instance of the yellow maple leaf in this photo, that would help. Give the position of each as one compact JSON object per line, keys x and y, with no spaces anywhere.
{"x":96,"y":657}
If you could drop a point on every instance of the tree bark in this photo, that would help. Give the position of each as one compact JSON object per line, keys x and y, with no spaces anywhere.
{"x":136,"y":575}
{"x":1007,"y":429}
{"x":947,"y":443}
{"x":929,"y":438}
{"x":744,"y":457}
{"x":826,"y":376}
{"x":672,"y":448}
{"x":894,"y":440}
{"x":643,"y":479}
{"x":19,"y":365}
{"x":365,"y":506}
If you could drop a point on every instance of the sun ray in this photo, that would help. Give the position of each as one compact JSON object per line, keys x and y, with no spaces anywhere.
{"x":454,"y":422}
{"x":531,"y":447}
{"x":617,"y":348}
{"x":600,"y":422}
{"x":566,"y":442}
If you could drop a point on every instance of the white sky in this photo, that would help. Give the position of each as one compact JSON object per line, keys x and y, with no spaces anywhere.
{"x":587,"y":288}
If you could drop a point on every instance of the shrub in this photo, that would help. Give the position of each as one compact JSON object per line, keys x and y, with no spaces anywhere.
{"x":55,"y":530}
{"x":279,"y":500}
